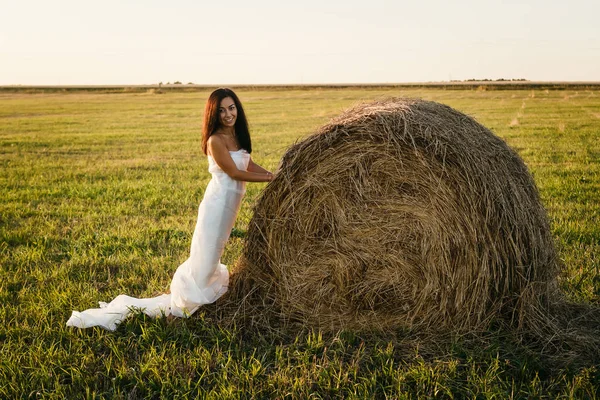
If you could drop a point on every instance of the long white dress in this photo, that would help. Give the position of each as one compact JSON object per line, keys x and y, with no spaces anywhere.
{"x":201,"y":279}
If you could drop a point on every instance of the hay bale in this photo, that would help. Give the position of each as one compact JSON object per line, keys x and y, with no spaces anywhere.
{"x":399,"y":214}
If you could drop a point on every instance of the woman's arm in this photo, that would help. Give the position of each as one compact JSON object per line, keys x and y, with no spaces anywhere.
{"x":253,"y":167}
{"x":219,"y":152}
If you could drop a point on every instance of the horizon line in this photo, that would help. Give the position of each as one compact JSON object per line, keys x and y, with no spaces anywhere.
{"x":499,"y":82}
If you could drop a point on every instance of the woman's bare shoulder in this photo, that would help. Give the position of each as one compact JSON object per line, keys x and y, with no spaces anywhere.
{"x":216,"y":139}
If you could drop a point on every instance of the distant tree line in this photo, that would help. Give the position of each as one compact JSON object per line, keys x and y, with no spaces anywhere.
{"x":491,"y":80}
{"x":174,"y":83}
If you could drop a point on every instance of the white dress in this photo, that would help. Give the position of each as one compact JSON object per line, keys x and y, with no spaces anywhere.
{"x":201,"y":279}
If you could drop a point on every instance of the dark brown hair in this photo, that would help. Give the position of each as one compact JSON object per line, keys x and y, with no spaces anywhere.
{"x":212,"y":123}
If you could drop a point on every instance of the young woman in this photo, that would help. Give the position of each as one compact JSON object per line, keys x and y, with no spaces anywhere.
{"x":201,"y":279}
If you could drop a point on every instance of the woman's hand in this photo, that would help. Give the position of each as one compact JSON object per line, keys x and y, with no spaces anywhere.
{"x":253,"y":167}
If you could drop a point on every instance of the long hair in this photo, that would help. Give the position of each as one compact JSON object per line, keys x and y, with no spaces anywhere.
{"x":212,"y":123}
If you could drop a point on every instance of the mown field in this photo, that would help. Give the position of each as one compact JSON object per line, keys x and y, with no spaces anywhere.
{"x":99,"y":197}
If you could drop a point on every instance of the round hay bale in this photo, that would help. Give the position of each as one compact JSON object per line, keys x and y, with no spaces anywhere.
{"x":399,"y":213}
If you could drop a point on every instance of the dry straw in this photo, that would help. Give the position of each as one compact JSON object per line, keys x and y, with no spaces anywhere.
{"x":400,"y":214}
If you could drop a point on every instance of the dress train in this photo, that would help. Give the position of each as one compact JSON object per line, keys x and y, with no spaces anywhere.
{"x":201,"y":279}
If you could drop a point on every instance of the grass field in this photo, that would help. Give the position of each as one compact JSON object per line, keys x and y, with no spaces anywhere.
{"x":99,"y":197}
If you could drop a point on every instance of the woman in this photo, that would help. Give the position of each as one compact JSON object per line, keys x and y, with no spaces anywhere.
{"x":201,"y":279}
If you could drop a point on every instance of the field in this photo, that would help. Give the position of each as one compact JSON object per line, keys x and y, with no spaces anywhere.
{"x":99,"y":197}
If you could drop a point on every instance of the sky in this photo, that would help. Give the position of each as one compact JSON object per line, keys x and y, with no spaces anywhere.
{"x":228,"y":42}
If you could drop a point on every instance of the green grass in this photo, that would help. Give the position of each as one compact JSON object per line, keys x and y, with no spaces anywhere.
{"x":99,"y":197}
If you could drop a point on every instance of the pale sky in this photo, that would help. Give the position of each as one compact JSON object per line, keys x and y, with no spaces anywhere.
{"x":68,"y":42}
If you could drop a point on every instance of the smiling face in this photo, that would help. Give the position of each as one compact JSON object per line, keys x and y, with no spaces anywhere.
{"x":227,"y":112}
{"x":224,"y":113}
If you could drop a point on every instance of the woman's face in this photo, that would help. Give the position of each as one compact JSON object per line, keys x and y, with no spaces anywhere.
{"x":227,"y":112}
